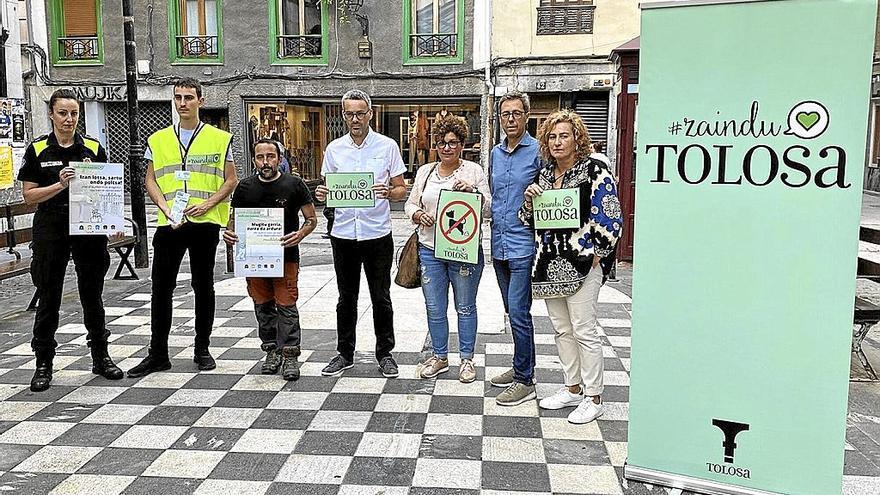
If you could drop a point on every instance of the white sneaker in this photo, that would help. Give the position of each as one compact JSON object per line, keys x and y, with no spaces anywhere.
{"x":562,"y":398}
{"x":586,"y":412}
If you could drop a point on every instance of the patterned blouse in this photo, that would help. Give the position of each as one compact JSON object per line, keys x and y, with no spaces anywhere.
{"x":565,"y":256}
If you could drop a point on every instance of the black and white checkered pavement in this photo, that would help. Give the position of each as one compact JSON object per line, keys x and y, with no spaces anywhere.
{"x":233,"y":430}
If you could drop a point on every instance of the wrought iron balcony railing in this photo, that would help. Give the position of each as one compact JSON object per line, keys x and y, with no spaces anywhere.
{"x":78,"y":48}
{"x":197,"y":46}
{"x":565,"y":19}
{"x":433,"y":45}
{"x":299,"y":46}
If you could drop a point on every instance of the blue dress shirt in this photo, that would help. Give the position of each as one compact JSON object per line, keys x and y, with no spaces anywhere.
{"x":511,"y":173}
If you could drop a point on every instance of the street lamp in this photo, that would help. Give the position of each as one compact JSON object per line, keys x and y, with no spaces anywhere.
{"x":354,"y":6}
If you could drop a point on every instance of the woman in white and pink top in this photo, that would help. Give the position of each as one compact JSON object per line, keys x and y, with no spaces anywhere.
{"x":450,"y":173}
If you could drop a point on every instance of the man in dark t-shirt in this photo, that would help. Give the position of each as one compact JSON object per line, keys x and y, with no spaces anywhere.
{"x":275,"y":298}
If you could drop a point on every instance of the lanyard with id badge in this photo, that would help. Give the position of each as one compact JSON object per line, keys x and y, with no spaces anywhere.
{"x":181,"y":198}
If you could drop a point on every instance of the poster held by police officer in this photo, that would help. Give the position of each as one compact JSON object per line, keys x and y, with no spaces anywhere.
{"x":259,"y":252}
{"x":97,"y":199}
{"x":557,"y":209}
{"x":350,"y":190}
{"x":457,"y":226}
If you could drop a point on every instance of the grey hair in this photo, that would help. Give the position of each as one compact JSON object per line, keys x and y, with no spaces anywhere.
{"x":516,"y":95}
{"x":356,"y":94}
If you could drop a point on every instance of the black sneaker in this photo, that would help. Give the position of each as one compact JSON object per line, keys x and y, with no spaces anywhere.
{"x":150,"y":364}
{"x":204,"y":360}
{"x":388,"y":367}
{"x":336,"y":366}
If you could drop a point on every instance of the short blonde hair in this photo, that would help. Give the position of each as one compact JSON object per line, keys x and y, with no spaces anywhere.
{"x":581,"y":135}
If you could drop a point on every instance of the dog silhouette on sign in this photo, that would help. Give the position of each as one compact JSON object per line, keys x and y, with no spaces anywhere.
{"x":452,"y":223}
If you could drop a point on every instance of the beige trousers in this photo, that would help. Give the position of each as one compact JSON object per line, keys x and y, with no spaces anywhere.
{"x":577,"y":335}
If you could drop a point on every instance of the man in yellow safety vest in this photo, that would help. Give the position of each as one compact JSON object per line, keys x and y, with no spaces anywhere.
{"x":190,"y":175}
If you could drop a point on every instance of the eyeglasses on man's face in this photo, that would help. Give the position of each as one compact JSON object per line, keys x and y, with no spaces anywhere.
{"x":448,"y":144}
{"x":516,"y":115}
{"x":354,"y":115}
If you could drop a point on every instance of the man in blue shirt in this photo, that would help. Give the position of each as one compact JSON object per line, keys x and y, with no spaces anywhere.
{"x":514,"y":165}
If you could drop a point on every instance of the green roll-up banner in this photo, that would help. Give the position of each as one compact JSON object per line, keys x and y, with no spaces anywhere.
{"x":752,"y":125}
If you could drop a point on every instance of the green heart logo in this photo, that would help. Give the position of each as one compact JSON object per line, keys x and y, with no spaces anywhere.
{"x":807,"y":120}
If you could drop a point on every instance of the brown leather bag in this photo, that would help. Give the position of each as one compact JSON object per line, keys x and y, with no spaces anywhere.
{"x":409,"y":272}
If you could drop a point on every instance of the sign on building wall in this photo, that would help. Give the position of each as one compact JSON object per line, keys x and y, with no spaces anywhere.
{"x":749,"y":194}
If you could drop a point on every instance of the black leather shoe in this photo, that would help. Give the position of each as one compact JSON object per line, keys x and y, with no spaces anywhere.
{"x":42,"y":376}
{"x":205,"y":361}
{"x":107,"y":368}
{"x":149,"y":365}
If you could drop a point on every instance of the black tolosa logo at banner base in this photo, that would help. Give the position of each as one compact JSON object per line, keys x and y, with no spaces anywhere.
{"x":730,"y":429}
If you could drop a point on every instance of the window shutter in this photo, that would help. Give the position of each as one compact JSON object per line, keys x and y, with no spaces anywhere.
{"x":593,"y":109}
{"x":80,"y":18}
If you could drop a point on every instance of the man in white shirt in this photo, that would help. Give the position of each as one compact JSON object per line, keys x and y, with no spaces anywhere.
{"x":362,"y":236}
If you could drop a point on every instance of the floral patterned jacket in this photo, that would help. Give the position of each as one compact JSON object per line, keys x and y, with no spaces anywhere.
{"x":565,"y":256}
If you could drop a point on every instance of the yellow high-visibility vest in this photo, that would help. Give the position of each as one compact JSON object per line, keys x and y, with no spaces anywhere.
{"x":203,"y":163}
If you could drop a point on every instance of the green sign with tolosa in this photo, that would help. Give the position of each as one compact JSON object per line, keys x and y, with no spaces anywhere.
{"x":350,"y":190}
{"x":557,"y":209}
{"x":749,"y":181}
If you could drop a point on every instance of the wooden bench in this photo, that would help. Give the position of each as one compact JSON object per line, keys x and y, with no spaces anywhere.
{"x":15,"y":236}
{"x":865,"y":313}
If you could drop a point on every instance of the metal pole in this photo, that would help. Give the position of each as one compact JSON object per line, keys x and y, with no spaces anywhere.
{"x":4,"y":35}
{"x":135,"y":150}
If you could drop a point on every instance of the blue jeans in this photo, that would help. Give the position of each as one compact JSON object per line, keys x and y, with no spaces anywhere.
{"x":437,"y":275}
{"x":515,"y":281}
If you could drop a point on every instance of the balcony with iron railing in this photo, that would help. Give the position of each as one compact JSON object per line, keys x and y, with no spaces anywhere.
{"x":78,"y":48}
{"x":565,"y":19}
{"x":434,"y":45}
{"x":197,"y":46}
{"x":299,"y":46}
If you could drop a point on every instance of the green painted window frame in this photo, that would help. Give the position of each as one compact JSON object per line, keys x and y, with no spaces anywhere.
{"x":274,"y":31}
{"x":56,"y":30}
{"x":174,"y":31}
{"x":409,"y":59}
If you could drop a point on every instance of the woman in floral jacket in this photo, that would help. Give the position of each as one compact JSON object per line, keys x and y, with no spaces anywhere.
{"x":572,"y":264}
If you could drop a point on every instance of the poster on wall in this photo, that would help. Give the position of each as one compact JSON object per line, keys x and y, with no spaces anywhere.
{"x":6,"y":167}
{"x":748,"y":204}
{"x":12,"y":121}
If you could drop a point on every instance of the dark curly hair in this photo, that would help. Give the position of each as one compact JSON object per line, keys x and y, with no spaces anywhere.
{"x":581,"y":135}
{"x":453,"y":124}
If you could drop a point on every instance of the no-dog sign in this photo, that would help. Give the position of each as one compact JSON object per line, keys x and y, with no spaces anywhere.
{"x":457,"y":226}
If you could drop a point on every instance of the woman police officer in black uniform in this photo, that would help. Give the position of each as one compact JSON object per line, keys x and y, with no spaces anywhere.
{"x":45,"y":176}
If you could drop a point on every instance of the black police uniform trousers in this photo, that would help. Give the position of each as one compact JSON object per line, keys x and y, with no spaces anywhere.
{"x":169,"y":246}
{"x":52,"y":249}
{"x":375,"y":256}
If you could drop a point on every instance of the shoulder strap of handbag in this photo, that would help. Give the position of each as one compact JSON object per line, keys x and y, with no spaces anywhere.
{"x":425,"y":184}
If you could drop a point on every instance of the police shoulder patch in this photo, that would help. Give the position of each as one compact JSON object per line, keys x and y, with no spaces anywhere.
{"x":91,"y":143}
